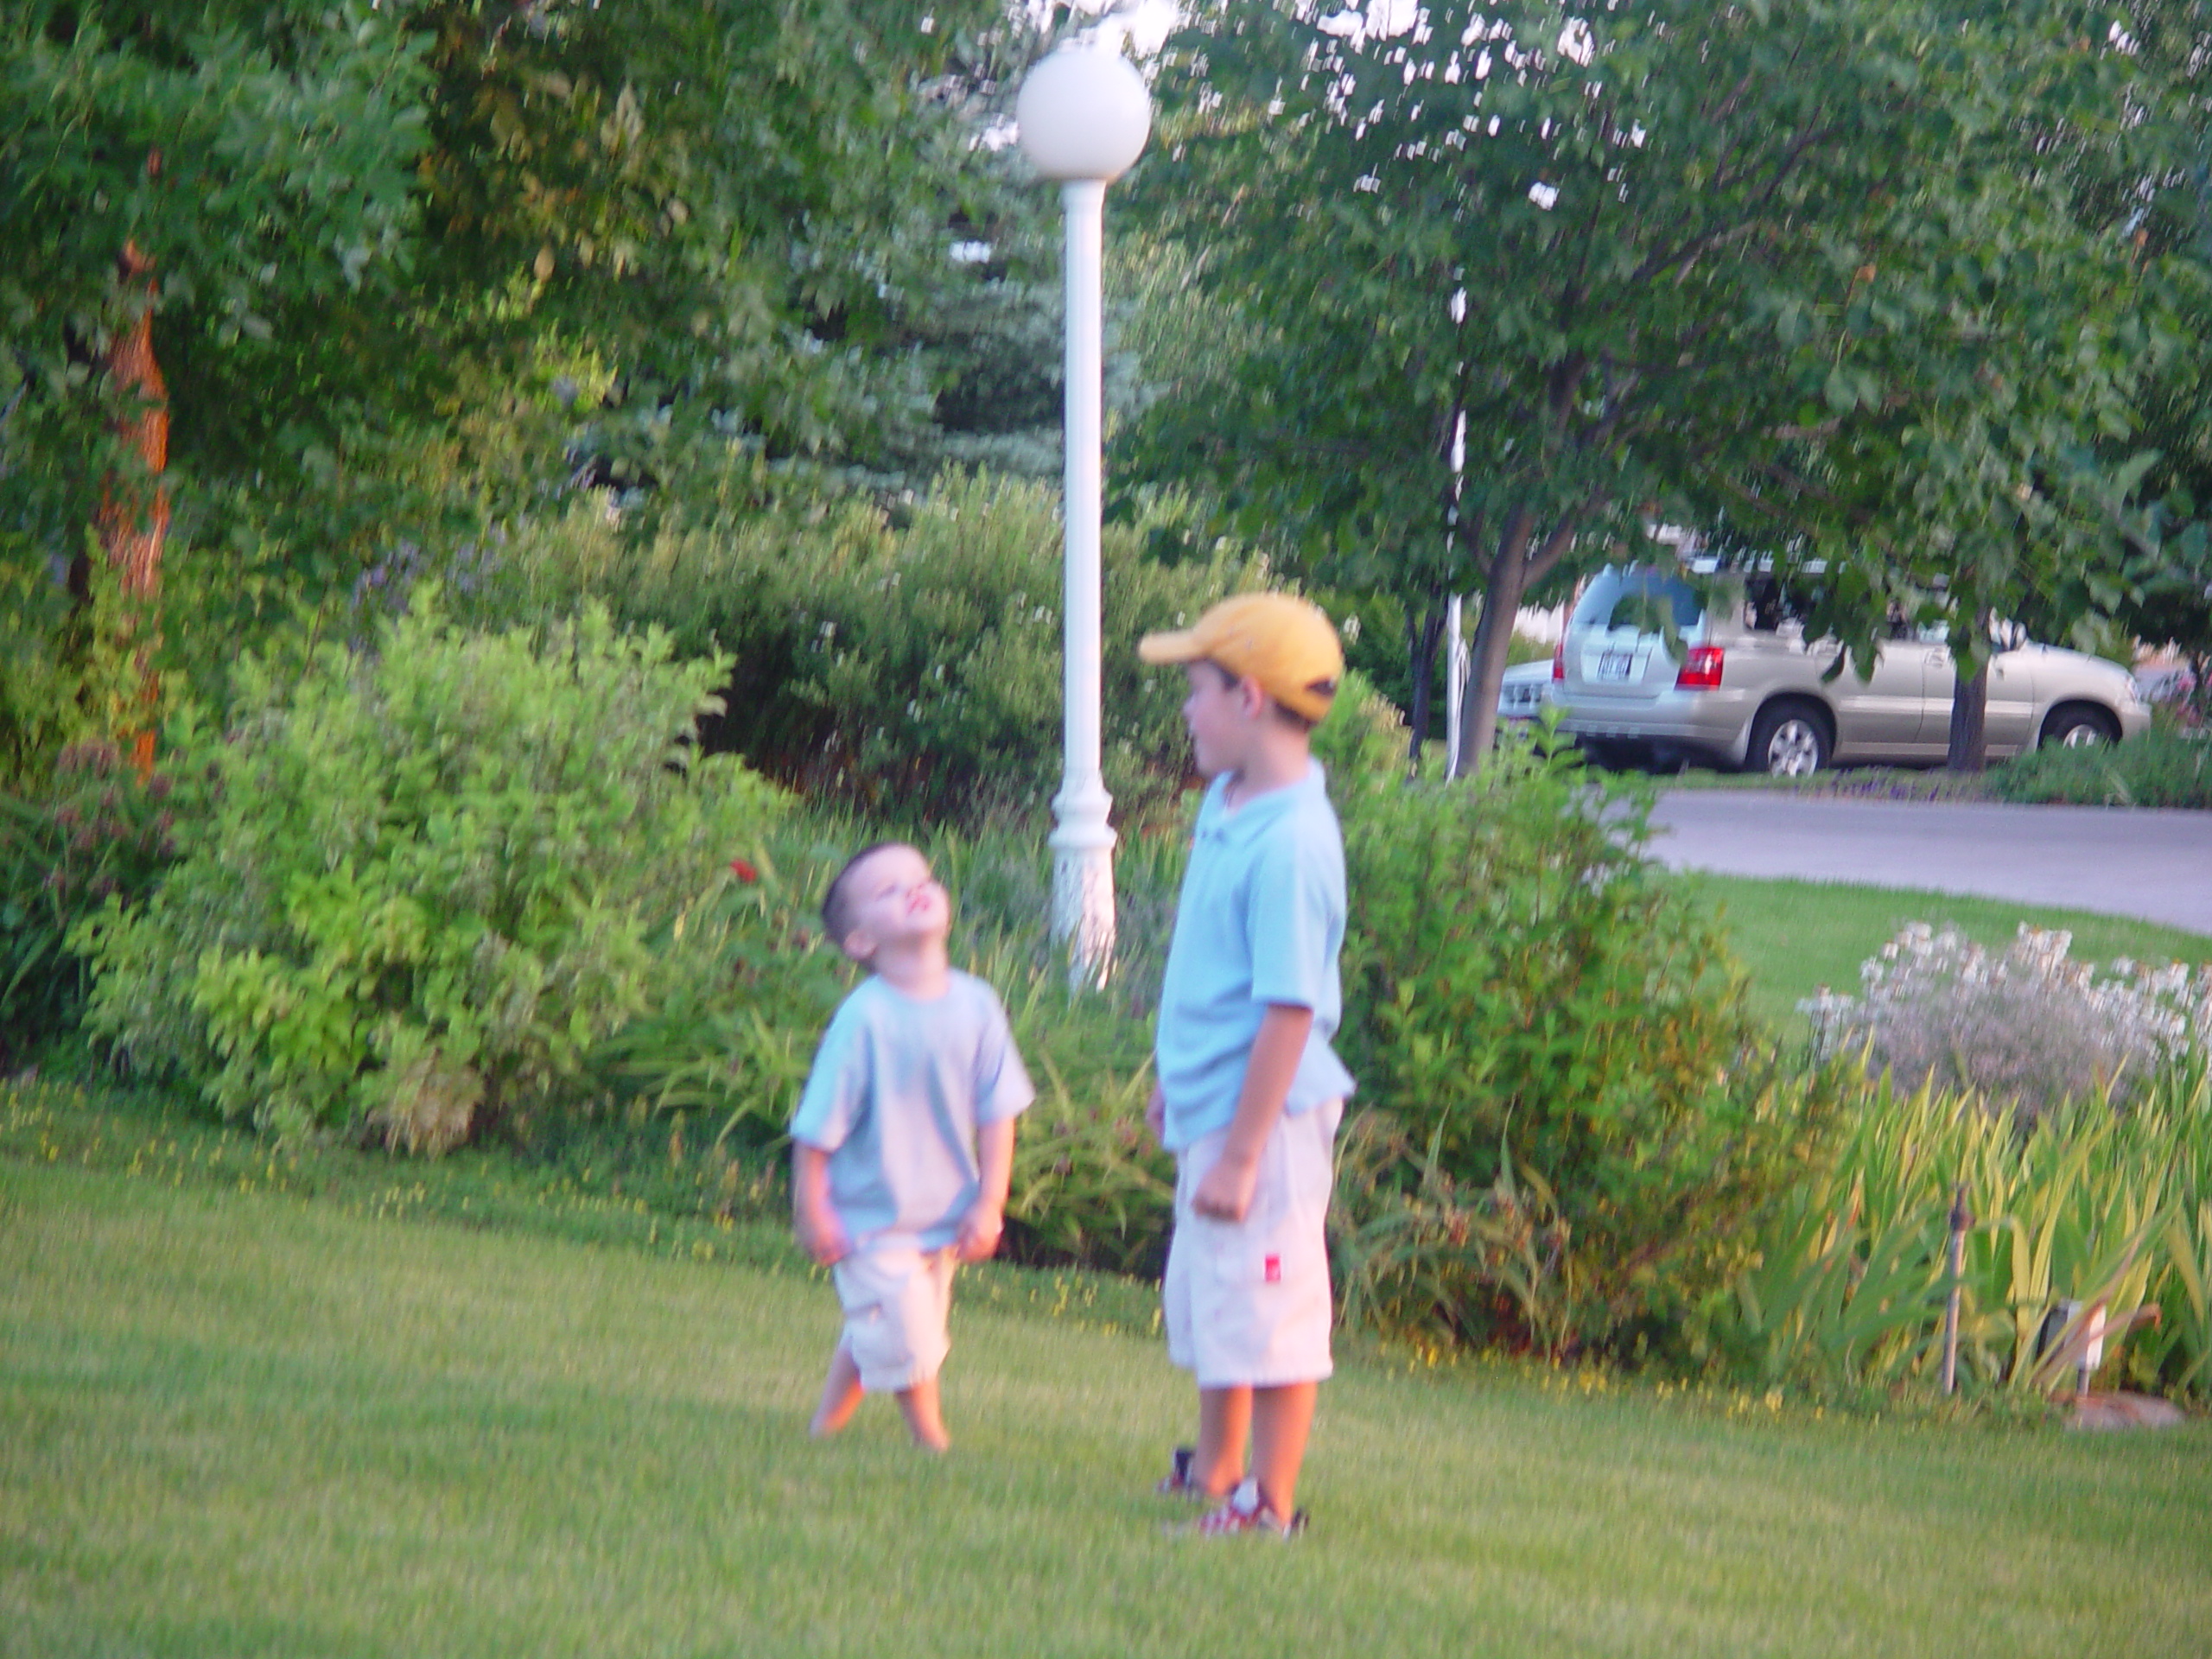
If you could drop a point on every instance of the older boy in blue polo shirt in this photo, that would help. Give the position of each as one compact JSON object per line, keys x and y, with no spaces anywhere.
{"x":1249,"y":1092}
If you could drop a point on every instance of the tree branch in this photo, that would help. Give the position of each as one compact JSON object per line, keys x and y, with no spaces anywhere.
{"x":1697,"y":246}
{"x":1546,"y":557}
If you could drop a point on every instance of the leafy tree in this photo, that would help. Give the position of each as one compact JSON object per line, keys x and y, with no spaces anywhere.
{"x":744,"y":211}
{"x":209,"y":166}
{"x":1998,"y":391}
{"x":2166,"y":180}
{"x":1757,"y":265}
{"x":206,"y":166}
{"x":1971,"y":461}
{"x":2169,"y":575}
{"x":408,"y":267}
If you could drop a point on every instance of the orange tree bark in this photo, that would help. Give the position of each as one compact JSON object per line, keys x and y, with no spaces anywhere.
{"x":133,"y":516}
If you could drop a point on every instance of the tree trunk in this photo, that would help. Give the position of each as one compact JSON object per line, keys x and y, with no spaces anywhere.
{"x":1423,"y":630}
{"x":133,"y":516}
{"x":1970,"y":720}
{"x":1507,"y":581}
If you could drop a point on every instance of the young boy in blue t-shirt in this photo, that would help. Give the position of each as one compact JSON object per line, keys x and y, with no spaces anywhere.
{"x":903,"y":1143}
{"x":1249,"y":1091}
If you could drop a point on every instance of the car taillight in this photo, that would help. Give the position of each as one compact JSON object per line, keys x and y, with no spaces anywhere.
{"x":1559,"y":660}
{"x":1701,"y":670}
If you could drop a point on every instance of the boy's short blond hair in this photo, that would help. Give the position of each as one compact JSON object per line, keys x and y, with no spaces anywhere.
{"x":837,"y":903}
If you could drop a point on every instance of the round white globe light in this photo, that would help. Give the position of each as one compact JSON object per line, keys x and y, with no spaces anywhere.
{"x":1083,"y":114}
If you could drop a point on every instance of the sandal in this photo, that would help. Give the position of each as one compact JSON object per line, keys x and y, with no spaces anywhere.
{"x":1242,"y":1511}
{"x":1177,"y":1482}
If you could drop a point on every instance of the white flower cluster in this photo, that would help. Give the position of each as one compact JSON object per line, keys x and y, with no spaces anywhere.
{"x":2028,"y":1027}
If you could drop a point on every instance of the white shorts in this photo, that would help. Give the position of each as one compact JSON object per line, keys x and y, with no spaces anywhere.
{"x":897,"y":1303}
{"x":1246,"y":1304}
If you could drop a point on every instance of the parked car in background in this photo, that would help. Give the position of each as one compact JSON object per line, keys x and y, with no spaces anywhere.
{"x":1655,"y":665}
{"x":1525,"y":690}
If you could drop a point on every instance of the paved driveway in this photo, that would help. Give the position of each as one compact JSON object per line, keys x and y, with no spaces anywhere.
{"x":2155,"y":865}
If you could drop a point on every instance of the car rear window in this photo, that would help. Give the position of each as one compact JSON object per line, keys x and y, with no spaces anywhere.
{"x":1648,"y":601}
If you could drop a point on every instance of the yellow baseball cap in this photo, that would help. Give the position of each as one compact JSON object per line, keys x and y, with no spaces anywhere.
{"x":1287,"y":645}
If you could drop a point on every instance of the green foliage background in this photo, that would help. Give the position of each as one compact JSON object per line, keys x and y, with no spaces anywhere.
{"x":101,"y":832}
{"x":2166,"y":766}
{"x":415,"y":887}
{"x":1573,"y":1126}
{"x":902,"y":664}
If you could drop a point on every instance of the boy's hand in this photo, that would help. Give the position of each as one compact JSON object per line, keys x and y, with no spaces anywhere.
{"x":821,"y":1236}
{"x":1155,"y":1114}
{"x":978,"y":1238}
{"x":814,"y":1219}
{"x":1224,"y":1193}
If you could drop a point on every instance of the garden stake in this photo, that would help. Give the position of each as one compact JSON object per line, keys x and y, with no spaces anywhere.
{"x":1961,"y":1218}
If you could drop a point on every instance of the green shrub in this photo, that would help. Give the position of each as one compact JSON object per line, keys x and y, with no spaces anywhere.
{"x":2028,"y":1028}
{"x":1566,"y":1133}
{"x":2164,"y":767}
{"x":1421,"y":1253}
{"x":908,"y":670}
{"x":426,"y":876}
{"x":1848,"y":1289}
{"x":1091,"y":1187}
{"x":747,"y":990}
{"x":1362,"y":745}
{"x":1558,"y":1046}
{"x":96,"y":831}
{"x":68,"y":671}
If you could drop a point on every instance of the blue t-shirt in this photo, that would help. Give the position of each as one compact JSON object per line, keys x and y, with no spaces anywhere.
{"x":898,"y":1090}
{"x":1260,"y":921}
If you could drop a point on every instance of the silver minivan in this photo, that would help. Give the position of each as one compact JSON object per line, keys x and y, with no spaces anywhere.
{"x":1657,"y":664}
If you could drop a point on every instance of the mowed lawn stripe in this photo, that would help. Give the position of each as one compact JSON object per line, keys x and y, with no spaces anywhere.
{"x":1794,"y":936}
{"x":234,"y":1423}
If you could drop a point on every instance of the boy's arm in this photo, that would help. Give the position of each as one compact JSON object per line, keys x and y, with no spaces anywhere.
{"x":1225,"y":1190}
{"x":986,"y":1218}
{"x":821,"y":1234}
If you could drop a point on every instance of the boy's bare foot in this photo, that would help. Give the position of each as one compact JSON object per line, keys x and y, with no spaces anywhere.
{"x":924,"y":1417}
{"x":841,"y":1395}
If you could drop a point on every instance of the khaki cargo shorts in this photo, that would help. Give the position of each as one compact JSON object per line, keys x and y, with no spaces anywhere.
{"x":1246,"y":1304}
{"x":897,"y":1303}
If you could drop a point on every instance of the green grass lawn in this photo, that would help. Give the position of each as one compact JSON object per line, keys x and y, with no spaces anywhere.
{"x":1797,"y":936}
{"x":239,"y":1421}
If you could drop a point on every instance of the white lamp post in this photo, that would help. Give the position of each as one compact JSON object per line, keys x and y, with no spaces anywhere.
{"x":1084,"y":114}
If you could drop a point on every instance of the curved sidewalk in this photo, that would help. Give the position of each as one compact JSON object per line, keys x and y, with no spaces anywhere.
{"x":2155,"y":865}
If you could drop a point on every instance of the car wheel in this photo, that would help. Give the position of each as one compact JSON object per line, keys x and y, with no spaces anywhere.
{"x":2079,"y":728}
{"x":1789,"y":741}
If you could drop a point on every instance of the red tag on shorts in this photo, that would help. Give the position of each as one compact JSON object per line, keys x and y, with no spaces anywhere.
{"x":1271,"y":1269}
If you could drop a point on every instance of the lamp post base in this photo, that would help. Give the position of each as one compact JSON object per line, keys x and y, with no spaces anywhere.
{"x":1082,"y":885}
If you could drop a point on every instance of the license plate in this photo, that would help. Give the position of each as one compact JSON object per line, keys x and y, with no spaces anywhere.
{"x":1615,"y":664}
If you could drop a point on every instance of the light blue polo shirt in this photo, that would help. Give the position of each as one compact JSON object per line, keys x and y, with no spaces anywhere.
{"x":1261,"y":919}
{"x":898,"y":1089}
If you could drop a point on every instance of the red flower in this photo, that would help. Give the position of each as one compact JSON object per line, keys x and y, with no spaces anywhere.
{"x":743,"y":871}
